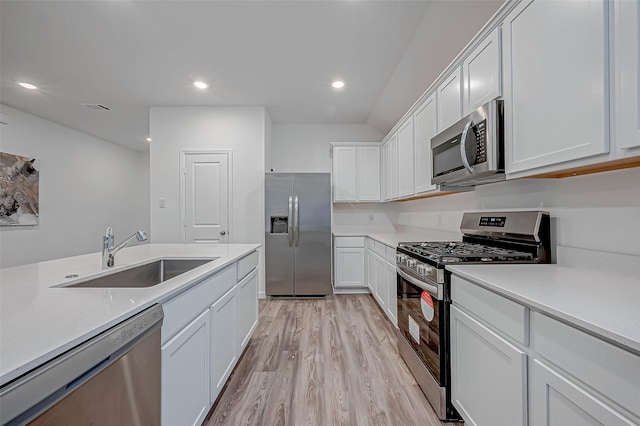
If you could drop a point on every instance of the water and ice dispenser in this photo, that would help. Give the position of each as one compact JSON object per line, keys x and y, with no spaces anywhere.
{"x":279,"y":223}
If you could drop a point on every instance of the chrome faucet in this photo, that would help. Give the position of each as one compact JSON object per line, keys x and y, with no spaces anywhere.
{"x":108,"y":249}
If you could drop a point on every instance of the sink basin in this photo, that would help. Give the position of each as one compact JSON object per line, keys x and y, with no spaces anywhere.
{"x":146,"y":275}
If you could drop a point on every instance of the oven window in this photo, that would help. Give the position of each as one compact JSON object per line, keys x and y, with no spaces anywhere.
{"x":412,"y":323}
{"x":446,"y":157}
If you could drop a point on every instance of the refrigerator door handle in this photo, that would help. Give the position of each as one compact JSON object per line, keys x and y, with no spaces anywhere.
{"x":290,"y":229}
{"x":296,"y":208}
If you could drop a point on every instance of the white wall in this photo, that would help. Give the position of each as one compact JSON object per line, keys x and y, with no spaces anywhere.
{"x":242,"y":130}
{"x":598,"y":211}
{"x":304,"y":148}
{"x":86,"y":184}
{"x":363,"y":214}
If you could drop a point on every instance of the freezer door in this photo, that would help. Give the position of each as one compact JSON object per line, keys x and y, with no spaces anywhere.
{"x":312,"y":223}
{"x":278,"y":234}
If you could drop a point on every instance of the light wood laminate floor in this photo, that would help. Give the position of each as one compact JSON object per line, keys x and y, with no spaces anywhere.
{"x":322,"y":362}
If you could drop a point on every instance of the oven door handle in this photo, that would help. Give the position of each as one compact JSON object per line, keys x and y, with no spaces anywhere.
{"x":432,"y":289}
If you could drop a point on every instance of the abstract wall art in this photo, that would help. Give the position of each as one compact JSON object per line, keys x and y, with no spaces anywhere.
{"x":19,"y":190}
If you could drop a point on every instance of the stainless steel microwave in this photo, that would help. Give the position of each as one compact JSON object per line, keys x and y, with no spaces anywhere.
{"x":471,"y":151}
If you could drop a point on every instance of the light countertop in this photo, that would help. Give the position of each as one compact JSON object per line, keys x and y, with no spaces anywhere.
{"x":599,"y":301}
{"x":39,"y":321}
{"x":392,"y":237}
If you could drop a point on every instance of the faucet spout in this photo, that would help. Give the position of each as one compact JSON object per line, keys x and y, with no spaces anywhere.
{"x":109,"y":251}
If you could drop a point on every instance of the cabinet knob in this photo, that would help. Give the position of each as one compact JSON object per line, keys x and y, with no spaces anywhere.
{"x":223,"y":232}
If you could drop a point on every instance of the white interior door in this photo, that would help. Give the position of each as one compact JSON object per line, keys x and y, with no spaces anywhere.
{"x":206,"y":198}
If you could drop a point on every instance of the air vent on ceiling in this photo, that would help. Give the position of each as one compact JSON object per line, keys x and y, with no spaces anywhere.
{"x":97,"y":107}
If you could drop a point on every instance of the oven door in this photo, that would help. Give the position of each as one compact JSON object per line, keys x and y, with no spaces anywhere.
{"x":422,"y":316}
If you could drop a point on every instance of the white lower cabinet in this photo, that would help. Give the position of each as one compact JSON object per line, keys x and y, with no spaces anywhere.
{"x":247,"y":319}
{"x":349,"y":264}
{"x":602,"y":379}
{"x":204,"y":332}
{"x":488,"y":374}
{"x":381,"y":278}
{"x":223,"y":340}
{"x":512,"y":366}
{"x":381,"y":283}
{"x":371,"y":271}
{"x":556,"y":400}
{"x":185,"y":374}
{"x":392,"y":304}
{"x":349,"y":267}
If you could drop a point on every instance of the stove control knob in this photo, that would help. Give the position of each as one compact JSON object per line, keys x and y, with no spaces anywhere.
{"x":411,"y":263}
{"x":400,"y":258}
{"x":422,"y":269}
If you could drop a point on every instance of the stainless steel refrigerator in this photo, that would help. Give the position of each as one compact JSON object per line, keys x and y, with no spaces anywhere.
{"x":298,"y":234}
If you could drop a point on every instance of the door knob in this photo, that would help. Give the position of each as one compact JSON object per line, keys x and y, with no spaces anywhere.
{"x":223,"y":232}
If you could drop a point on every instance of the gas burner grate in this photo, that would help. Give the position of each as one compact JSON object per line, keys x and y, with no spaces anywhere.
{"x":456,"y":251}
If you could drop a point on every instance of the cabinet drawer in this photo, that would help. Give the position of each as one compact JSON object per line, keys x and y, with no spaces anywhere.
{"x":370,"y":243}
{"x":247,"y":264}
{"x":380,"y":249}
{"x":349,"y":241}
{"x":390,"y":255}
{"x":506,"y":316}
{"x":184,"y":307}
{"x":610,"y":370}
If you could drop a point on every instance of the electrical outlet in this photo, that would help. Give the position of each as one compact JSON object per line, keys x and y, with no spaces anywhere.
{"x":162,"y":203}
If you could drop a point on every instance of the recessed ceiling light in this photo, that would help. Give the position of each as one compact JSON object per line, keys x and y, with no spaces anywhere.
{"x":28,"y":86}
{"x":200,"y":84}
{"x":338,"y":84}
{"x":148,"y":139}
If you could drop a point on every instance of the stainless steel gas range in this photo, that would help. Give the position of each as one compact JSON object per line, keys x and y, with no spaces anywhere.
{"x":424,"y":294}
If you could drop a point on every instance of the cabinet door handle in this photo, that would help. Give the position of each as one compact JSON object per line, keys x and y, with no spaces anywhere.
{"x":223,"y":232}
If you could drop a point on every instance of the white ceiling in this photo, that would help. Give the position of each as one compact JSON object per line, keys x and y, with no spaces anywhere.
{"x":130,"y":55}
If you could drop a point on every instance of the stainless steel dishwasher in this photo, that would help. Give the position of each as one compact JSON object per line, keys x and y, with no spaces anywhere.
{"x":111,"y":379}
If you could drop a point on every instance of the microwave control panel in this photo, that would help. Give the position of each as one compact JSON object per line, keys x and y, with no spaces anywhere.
{"x":481,"y":141}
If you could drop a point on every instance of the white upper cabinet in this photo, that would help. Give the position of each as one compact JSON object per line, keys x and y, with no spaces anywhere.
{"x":393,"y":167}
{"x":626,"y":75}
{"x":450,"y":99}
{"x":556,"y":83}
{"x":481,"y":72}
{"x":386,"y":173}
{"x":406,"y":159}
{"x":344,"y":174}
{"x":425,"y":127}
{"x":356,"y":173}
{"x":369,"y":173}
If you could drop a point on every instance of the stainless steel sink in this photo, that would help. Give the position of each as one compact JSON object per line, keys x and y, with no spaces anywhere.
{"x":146,"y":275}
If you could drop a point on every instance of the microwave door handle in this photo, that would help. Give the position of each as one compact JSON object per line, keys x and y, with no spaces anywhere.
{"x":290,"y":222}
{"x":463,"y":147}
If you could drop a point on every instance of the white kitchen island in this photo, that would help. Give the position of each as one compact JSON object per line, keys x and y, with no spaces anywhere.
{"x":41,"y":319}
